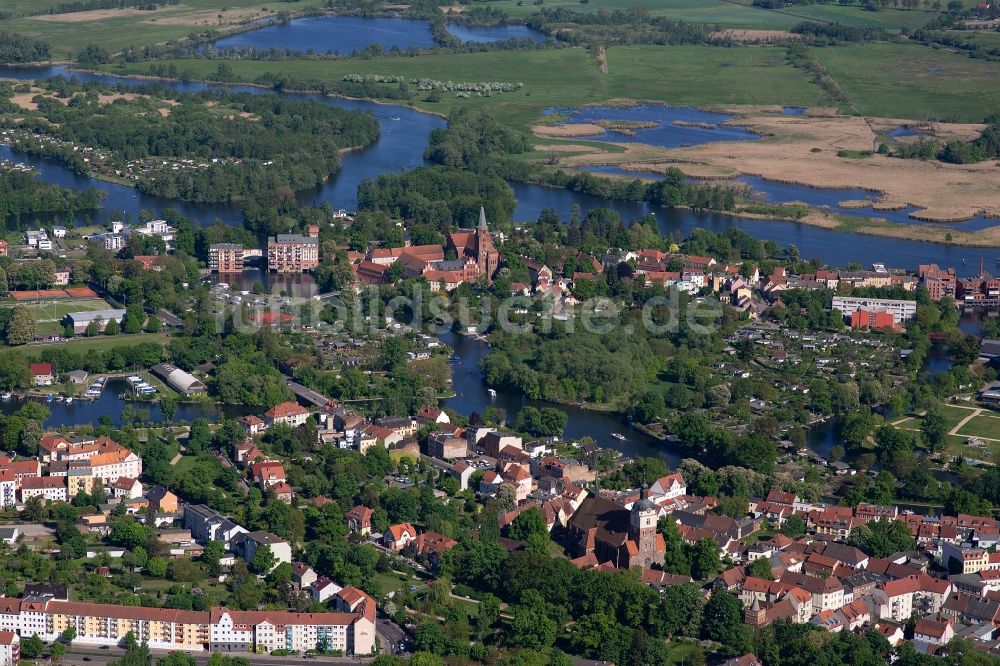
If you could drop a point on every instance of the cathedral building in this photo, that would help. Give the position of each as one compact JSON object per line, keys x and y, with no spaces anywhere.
{"x":604,"y":531}
{"x":477,"y":246}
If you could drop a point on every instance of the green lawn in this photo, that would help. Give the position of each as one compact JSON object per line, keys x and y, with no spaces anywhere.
{"x":982,"y":426}
{"x":117,"y":29}
{"x":912,"y":81}
{"x":389,"y":582}
{"x":92,"y":344}
{"x":681,"y":75}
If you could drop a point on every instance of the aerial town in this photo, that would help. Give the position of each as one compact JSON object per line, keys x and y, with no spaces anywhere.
{"x":499,"y":333}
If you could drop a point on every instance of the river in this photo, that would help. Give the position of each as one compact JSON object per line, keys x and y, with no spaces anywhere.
{"x":401,"y":144}
{"x":110,"y":405}
{"x":347,"y":34}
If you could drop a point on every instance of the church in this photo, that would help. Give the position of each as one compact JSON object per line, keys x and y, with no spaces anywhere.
{"x":477,"y":246}
{"x":604,"y":531}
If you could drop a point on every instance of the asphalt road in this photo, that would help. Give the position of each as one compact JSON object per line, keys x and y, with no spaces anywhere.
{"x":392,"y":635}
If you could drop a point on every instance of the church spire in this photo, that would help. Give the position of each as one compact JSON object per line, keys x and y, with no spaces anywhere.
{"x":482,"y":217}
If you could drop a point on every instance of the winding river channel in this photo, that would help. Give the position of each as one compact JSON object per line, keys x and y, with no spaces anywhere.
{"x":400,"y":146}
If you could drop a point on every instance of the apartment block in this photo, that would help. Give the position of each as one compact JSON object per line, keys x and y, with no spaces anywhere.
{"x":218,"y":629}
{"x":292,"y":253}
{"x":225,"y":258}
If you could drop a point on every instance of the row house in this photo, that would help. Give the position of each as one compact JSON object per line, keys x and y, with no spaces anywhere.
{"x":896,"y":598}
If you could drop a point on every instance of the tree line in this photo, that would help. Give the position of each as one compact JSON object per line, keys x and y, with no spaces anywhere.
{"x":16,"y":48}
{"x":23,"y":193}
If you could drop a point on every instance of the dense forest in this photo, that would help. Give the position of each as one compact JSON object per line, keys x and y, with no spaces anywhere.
{"x":16,"y":48}
{"x":438,"y":195}
{"x":22,"y":193}
{"x":243,"y":144}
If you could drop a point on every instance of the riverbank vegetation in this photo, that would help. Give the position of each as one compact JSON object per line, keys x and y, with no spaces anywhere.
{"x":24,"y":195}
{"x":18,"y":49}
{"x":206,"y":148}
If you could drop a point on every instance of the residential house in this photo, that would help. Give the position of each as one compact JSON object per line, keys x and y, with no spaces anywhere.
{"x":359,"y":519}
{"x":42,"y":374}
{"x":398,"y":537}
{"x":288,"y":413}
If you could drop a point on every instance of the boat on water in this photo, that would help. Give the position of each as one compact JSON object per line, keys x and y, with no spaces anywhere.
{"x":69,"y":400}
{"x":619,"y":436}
{"x":454,"y":358}
{"x":7,"y":395}
{"x":49,"y":398}
{"x":492,"y":392}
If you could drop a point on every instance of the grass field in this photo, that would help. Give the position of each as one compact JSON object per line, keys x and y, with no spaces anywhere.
{"x":911,"y":81}
{"x":986,"y":38}
{"x":680,"y":75}
{"x":889,"y":19}
{"x":118,"y":28}
{"x":737,"y":13}
{"x":984,"y":425}
{"x":55,"y":311}
{"x":92,"y":344}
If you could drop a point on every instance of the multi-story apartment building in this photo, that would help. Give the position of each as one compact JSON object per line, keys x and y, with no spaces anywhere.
{"x":115,"y":462}
{"x":901,"y":311}
{"x":49,"y":488}
{"x":10,"y":652}
{"x":225,"y":258}
{"x":292,"y":253}
{"x":218,"y":629}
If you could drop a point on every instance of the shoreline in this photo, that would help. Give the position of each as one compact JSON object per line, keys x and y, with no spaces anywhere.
{"x":871,"y":226}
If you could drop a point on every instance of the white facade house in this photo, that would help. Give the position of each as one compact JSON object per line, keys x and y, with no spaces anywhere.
{"x":901,"y":311}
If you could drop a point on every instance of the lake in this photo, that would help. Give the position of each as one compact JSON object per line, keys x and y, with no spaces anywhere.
{"x":404,"y":137}
{"x":334,"y":34}
{"x":346,"y":34}
{"x":494,"y":33}
{"x":670,"y":126}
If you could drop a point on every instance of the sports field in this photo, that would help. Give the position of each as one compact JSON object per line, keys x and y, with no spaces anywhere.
{"x":55,"y":311}
{"x":115,"y":29}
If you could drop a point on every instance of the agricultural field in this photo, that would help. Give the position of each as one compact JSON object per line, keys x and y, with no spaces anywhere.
{"x":680,"y":75}
{"x":911,"y":81}
{"x":115,"y":29}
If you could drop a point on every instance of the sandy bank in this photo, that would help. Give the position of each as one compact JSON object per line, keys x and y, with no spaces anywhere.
{"x":807,"y":150}
{"x":568,"y":130}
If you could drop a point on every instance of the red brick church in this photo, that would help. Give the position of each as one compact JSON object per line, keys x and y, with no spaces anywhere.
{"x":478,"y":246}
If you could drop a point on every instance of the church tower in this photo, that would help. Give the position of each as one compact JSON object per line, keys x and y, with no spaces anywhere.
{"x":642,"y":529}
{"x":487,"y":258}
